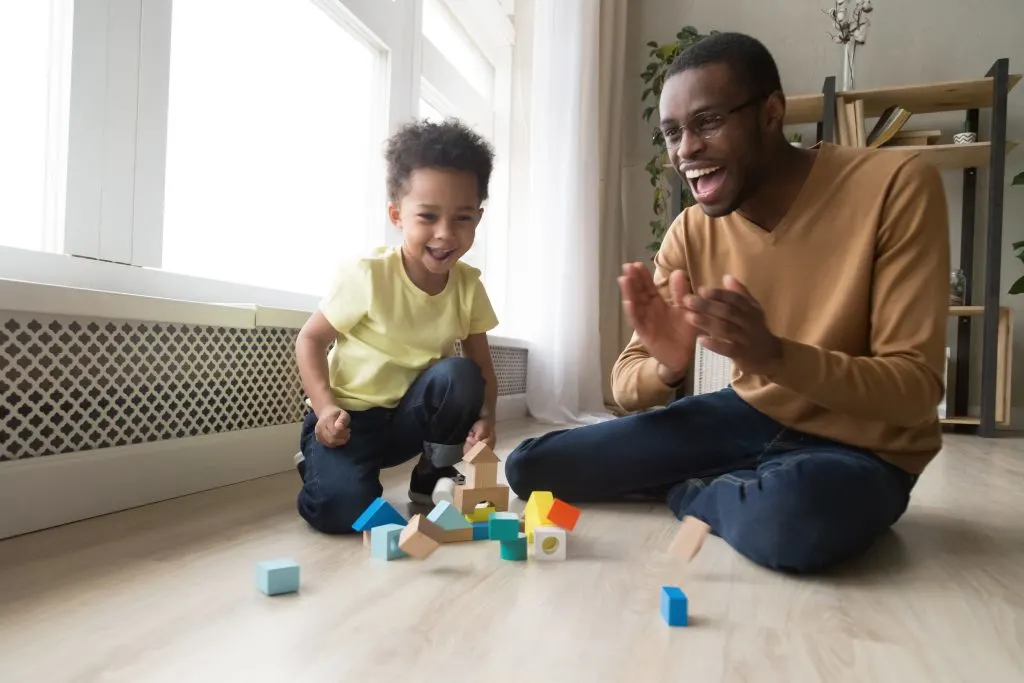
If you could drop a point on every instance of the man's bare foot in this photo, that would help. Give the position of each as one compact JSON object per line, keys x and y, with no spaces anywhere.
{"x":689,"y":538}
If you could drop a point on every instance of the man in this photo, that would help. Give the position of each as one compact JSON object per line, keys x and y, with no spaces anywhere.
{"x":822,"y":275}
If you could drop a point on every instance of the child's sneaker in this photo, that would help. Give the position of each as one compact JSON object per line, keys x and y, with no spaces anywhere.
{"x":300,"y":464}
{"x":423,"y":480}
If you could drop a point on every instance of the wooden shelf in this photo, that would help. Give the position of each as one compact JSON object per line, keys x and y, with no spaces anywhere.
{"x":929,"y":98}
{"x":962,"y":311}
{"x":974,"y":155}
{"x":961,"y":421}
{"x":804,"y":109}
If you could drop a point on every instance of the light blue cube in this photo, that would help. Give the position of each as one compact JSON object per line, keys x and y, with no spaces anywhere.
{"x":384,"y":542}
{"x":276,"y":577}
{"x":673,"y":606}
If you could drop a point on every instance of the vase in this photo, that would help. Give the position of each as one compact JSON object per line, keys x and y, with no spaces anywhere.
{"x":849,"y":56}
{"x":965,"y":138}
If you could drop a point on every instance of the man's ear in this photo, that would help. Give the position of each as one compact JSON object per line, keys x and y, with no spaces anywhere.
{"x":775,"y":111}
{"x":395,"y":214}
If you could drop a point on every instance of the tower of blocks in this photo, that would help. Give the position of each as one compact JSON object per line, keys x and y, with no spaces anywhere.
{"x":481,"y":482}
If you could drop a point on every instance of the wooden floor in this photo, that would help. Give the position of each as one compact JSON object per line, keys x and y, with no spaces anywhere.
{"x":166,"y":593}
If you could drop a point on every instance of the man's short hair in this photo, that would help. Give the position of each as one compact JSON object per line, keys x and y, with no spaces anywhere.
{"x":747,"y":58}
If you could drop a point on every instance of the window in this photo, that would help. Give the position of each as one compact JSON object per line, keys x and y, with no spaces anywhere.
{"x":270,"y":144}
{"x":35,"y":42}
{"x":430,"y":113}
{"x":447,"y":34}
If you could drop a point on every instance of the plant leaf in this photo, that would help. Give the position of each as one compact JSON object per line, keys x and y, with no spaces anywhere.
{"x":1018,"y":286}
{"x":651,"y":43}
{"x":1018,"y":245}
{"x":1018,"y":179}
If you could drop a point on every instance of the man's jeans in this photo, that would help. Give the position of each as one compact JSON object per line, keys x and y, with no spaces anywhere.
{"x":783,"y":499}
{"x":434,"y":417}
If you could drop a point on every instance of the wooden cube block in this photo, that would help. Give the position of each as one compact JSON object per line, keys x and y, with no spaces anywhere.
{"x":549,"y":543}
{"x":480,"y":531}
{"x":674,"y":606}
{"x":503,"y":526}
{"x":420,"y":538}
{"x":514,"y":551}
{"x":562,"y":514}
{"x":276,"y":577}
{"x":466,"y":499}
{"x":384,"y":542}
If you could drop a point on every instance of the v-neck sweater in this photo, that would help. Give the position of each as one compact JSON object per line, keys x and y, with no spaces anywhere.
{"x":854,"y":281}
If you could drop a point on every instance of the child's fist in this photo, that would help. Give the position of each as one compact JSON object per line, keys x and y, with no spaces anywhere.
{"x":482,"y":430}
{"x":332,"y":427}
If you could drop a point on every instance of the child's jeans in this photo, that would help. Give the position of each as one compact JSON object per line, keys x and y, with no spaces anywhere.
{"x":784,"y":499}
{"x":434,"y":417}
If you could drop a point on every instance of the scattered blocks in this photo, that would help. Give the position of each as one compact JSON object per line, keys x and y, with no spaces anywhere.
{"x":562,"y":514}
{"x":377,"y":513}
{"x":480,"y":531}
{"x":548,"y":543}
{"x":276,"y":577}
{"x":514,"y":551}
{"x":420,"y":537}
{"x":481,"y":513}
{"x":384,"y":542}
{"x":673,"y":606}
{"x":447,"y":517}
{"x":503,"y":526}
{"x":536,"y":513}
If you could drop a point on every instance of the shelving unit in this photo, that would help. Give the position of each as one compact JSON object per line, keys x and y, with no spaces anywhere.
{"x":971,"y":96}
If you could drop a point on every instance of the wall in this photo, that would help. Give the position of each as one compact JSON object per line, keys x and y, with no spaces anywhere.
{"x":909,"y":41}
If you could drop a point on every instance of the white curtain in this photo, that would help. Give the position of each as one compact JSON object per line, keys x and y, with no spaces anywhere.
{"x":555,"y":239}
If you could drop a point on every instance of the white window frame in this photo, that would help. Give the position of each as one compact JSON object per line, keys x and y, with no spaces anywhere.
{"x":117,"y":130}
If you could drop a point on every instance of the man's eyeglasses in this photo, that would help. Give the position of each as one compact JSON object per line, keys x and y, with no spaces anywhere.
{"x":706,"y":124}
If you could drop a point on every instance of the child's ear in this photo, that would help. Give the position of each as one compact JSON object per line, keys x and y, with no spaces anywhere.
{"x":395,"y":214}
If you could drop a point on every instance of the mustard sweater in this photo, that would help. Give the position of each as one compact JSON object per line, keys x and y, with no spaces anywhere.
{"x":855,"y":282}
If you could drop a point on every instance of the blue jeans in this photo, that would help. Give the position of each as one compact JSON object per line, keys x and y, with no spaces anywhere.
{"x":783,"y":499}
{"x":434,"y":417}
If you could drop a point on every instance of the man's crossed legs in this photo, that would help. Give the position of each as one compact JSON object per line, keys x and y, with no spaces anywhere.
{"x":783,"y":499}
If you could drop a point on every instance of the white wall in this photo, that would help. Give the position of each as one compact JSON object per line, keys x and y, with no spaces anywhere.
{"x":909,"y":41}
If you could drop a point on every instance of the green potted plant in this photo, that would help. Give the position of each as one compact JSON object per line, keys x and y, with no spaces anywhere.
{"x":1018,"y":247}
{"x":653,"y":76}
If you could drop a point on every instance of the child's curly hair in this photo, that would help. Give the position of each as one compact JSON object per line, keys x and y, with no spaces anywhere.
{"x":449,"y":145}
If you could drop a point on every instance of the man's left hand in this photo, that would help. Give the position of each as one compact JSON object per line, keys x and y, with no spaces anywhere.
{"x":732,"y":323}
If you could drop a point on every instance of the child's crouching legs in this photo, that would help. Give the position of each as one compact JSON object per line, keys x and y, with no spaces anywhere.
{"x":446,"y":400}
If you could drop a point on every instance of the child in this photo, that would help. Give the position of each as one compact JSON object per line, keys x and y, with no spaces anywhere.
{"x":390,"y":388}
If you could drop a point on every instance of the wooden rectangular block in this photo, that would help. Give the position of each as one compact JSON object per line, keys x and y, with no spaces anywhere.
{"x":480,"y":532}
{"x":457,"y":535}
{"x":483,"y":475}
{"x":420,"y":538}
{"x":674,"y":606}
{"x":466,"y":499}
{"x":275,"y":577}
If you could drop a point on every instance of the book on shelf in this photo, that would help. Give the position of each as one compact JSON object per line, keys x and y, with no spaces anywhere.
{"x":916,"y":138}
{"x":889,"y":124}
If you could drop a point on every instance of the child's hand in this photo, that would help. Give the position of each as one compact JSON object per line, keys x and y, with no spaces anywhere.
{"x":482,"y":430}
{"x":332,"y":426}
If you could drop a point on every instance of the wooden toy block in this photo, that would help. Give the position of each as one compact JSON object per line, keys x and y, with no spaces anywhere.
{"x":689,"y":538}
{"x":503,"y":526}
{"x":481,"y":513}
{"x":276,"y":577}
{"x":377,"y":513}
{"x":366,"y":538}
{"x":562,"y":514}
{"x":444,"y":489}
{"x":420,"y":537}
{"x":466,"y":499}
{"x":536,"y":512}
{"x":483,"y":467}
{"x":447,"y":517}
{"x":674,"y":606}
{"x":481,"y":531}
{"x":549,"y":543}
{"x":457,"y":535}
{"x":384,"y":542}
{"x":514,"y":551}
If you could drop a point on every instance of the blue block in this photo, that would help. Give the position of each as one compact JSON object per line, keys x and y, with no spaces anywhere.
{"x":673,"y":606}
{"x":379,"y":512}
{"x":480,"y":531}
{"x":384,"y":542}
{"x":503,"y":526}
{"x":514,"y":550}
{"x":447,"y":517}
{"x":275,"y":577}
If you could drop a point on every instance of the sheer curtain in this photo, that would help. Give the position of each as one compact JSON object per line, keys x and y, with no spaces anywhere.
{"x":556,"y":241}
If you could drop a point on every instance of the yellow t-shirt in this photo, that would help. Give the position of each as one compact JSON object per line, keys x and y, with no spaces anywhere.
{"x":390,"y":331}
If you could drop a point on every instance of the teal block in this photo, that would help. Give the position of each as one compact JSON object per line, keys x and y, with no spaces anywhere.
{"x":377,"y":513}
{"x":514,"y":550}
{"x":384,"y":542}
{"x":447,"y":517}
{"x":503,"y":526}
{"x":480,"y":532}
{"x":275,"y":577}
{"x":673,"y":606}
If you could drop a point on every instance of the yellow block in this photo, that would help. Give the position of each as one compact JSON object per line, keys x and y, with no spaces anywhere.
{"x":536,"y":513}
{"x":479,"y":514}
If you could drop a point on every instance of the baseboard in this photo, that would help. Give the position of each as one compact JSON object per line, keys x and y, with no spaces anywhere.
{"x":36,"y":493}
{"x":511,"y":407}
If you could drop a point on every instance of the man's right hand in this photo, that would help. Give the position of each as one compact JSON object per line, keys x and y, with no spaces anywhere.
{"x":332,"y":426}
{"x":660,"y":325}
